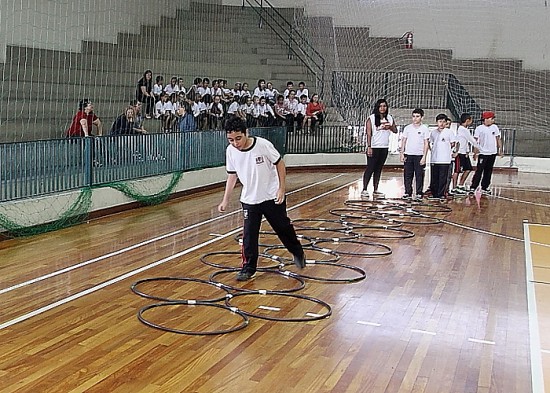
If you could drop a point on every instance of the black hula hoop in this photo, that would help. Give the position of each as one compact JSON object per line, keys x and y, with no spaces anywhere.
{"x":362,"y":274}
{"x":301,"y":282}
{"x":299,"y":223}
{"x":386,"y":249}
{"x":431,"y":208}
{"x":358,"y":214}
{"x":287,"y":261}
{"x":309,"y":316}
{"x":233,"y":310}
{"x":307,"y":242}
{"x":388,"y":233}
{"x":339,"y":235}
{"x":135,"y":289}
{"x":204,"y":259}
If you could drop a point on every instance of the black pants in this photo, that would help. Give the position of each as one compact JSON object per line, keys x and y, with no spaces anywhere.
{"x":412,"y":168}
{"x":438,"y":180}
{"x":375,"y":163}
{"x":484,"y":171}
{"x":279,"y":221}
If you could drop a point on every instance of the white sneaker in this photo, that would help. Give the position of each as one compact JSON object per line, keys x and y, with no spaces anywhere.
{"x":378,"y":194}
{"x":365,"y":194}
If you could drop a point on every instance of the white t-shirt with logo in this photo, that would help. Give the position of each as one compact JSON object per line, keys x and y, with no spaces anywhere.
{"x":255,"y":168}
{"x":486,"y":137}
{"x":380,"y":136}
{"x":465,"y":138}
{"x":441,"y":141}
{"x":416,"y":135}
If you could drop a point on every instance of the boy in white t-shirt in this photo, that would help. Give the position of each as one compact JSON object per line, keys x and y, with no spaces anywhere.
{"x":256,"y":163}
{"x":462,"y":166}
{"x":442,"y":141}
{"x":414,"y":148}
{"x":490,"y":144}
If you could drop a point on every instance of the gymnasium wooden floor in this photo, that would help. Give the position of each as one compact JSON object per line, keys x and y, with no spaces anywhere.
{"x":447,"y":311}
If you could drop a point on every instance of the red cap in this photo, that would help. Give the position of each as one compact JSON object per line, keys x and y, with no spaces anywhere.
{"x":487,"y":115}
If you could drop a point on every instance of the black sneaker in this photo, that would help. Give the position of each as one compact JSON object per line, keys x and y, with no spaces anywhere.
{"x":300,"y":261}
{"x":406,"y":196}
{"x":245,"y":275}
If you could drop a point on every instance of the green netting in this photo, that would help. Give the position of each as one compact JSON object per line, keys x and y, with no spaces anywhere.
{"x":77,"y":211}
{"x":131,"y":191}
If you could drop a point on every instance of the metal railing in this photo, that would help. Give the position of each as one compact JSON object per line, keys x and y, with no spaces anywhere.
{"x":296,"y":43}
{"x":31,"y":169}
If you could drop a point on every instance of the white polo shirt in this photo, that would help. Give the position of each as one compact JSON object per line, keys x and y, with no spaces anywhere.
{"x":465,"y":138}
{"x":441,"y":146}
{"x":416,"y":135}
{"x":255,"y":168}
{"x":380,"y":136}
{"x":487,"y":138}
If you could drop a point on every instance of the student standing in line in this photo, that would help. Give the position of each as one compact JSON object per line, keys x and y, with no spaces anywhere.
{"x":379,"y":126}
{"x":462,"y":164}
{"x":256,"y":163}
{"x":442,"y":141}
{"x":487,"y":135}
{"x":414,"y":148}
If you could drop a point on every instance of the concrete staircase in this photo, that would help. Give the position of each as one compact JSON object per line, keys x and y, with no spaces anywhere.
{"x":41,"y":88}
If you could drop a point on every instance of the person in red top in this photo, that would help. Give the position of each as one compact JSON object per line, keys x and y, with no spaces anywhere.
{"x":315,"y":113}
{"x":84,"y":120}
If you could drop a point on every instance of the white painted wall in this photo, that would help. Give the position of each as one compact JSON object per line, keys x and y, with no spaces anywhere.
{"x":471,"y":28}
{"x":63,"y":24}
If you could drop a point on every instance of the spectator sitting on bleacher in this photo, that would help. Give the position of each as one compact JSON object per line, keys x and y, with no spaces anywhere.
{"x":186,"y":120}
{"x":248,"y":111}
{"x":236,"y":90}
{"x":315,"y":113}
{"x":158,"y":88}
{"x":302,"y":89}
{"x":181,"y":87}
{"x":289,"y":86}
{"x":204,"y":89}
{"x":199,"y":110}
{"x":138,"y":116}
{"x":266,"y":116}
{"x":283,"y":116}
{"x":193,"y":90}
{"x":245,"y":92}
{"x":125,"y":123}
{"x":84,"y":120}
{"x":172,"y":87}
{"x":216,"y":89}
{"x":260,"y":91}
{"x":144,"y":92}
{"x":233,"y":109}
{"x":271,"y":93}
{"x":301,"y":112}
{"x":292,"y":103}
{"x":215,"y":113}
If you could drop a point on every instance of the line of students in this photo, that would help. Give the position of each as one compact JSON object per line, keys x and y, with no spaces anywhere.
{"x":450,"y":161}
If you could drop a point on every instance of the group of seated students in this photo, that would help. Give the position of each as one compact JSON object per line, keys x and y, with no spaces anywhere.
{"x":205,"y":106}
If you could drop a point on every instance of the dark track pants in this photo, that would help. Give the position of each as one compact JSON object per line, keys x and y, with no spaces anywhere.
{"x":375,"y":163}
{"x":438,"y":179}
{"x":279,"y":221}
{"x":412,"y":168}
{"x":484,"y":171}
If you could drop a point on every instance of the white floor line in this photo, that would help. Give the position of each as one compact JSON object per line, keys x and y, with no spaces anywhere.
{"x":368,"y":323}
{"x":141,"y":244}
{"x":520,"y":189}
{"x":520,"y":201}
{"x":423,"y":332}
{"x":478,"y":341}
{"x":481,"y":231}
{"x":537,"y":379}
{"x":146,"y":267}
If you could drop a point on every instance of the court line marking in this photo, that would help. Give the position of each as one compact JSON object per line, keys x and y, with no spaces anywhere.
{"x":521,"y":201}
{"x":545,"y":350}
{"x":537,"y":379}
{"x":481,"y":230}
{"x":150,"y":266}
{"x":522,"y":189}
{"x":269,"y":308}
{"x":141,"y":244}
{"x":479,"y":341}
{"x":369,"y":323}
{"x":423,"y":332}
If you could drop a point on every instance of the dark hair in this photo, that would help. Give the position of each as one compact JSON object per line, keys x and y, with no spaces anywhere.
{"x":419,"y":111}
{"x":303,"y":96}
{"x":134,"y":102}
{"x":441,"y":116}
{"x":205,"y":80}
{"x":186,"y":106}
{"x":83,"y":104}
{"x":207,"y":98}
{"x":465,"y":117}
{"x":234,"y":123}
{"x":302,"y":83}
{"x":159,"y":78}
{"x":376,"y":111}
{"x":290,"y":83}
{"x":260,"y":82}
{"x":197,"y":81}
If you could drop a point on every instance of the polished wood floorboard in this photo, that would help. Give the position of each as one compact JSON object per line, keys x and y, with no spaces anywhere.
{"x":445,"y":312}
